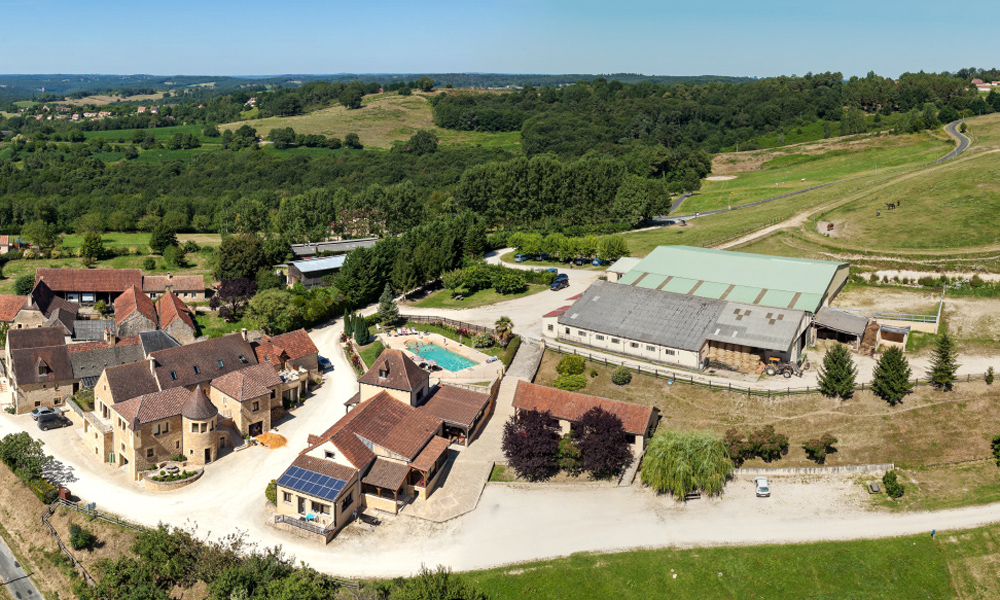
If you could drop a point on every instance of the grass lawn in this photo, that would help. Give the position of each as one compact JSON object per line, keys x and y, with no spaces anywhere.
{"x":928,"y":427}
{"x":958,"y":564}
{"x":198,"y":265}
{"x":128,"y":240}
{"x":792,"y":168}
{"x":443,"y":299}
{"x":985,"y":130}
{"x":213,"y":326}
{"x":382,"y":119}
{"x":370,"y":352}
{"x":562,"y":266}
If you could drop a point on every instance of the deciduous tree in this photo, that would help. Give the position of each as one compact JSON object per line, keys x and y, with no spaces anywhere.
{"x":680,"y":462}
{"x":603,"y":444}
{"x":530,"y":444}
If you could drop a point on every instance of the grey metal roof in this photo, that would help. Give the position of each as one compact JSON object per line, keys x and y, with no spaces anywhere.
{"x":152,"y":341}
{"x":90,"y":363}
{"x":336,"y":246}
{"x":679,"y":320}
{"x":899,"y":330}
{"x":92,"y":330}
{"x":841,"y":321}
{"x":313,"y":265}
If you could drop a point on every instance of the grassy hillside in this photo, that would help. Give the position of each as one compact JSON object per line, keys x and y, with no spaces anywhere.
{"x":382,"y":119}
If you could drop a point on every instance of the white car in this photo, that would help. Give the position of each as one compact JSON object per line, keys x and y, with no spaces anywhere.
{"x":760,"y":483}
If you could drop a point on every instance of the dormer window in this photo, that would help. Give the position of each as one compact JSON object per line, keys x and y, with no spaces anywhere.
{"x":197,"y":371}
{"x":383,"y":371}
{"x":243,"y":359}
{"x":173,"y":376}
{"x":219,"y":363}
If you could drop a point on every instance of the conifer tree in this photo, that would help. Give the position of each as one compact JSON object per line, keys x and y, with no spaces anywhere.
{"x":837,"y":375}
{"x":943,"y":364}
{"x":388,"y":312}
{"x":891,"y":377}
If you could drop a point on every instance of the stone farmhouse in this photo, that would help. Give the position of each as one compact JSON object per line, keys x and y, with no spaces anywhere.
{"x":87,"y":286}
{"x":39,"y":367}
{"x":135,"y":312}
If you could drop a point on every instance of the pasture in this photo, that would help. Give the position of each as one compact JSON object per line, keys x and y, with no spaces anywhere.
{"x":103,"y":100}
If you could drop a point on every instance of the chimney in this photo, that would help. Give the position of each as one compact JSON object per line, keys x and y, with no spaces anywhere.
{"x":243,"y":332}
{"x":152,"y":367}
{"x":170,"y":283}
{"x":109,"y":337}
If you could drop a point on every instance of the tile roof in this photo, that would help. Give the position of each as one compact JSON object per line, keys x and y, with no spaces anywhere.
{"x":393,"y":370}
{"x":130,"y":381}
{"x":84,"y":347}
{"x":387,"y":474}
{"x":36,"y":337}
{"x":26,"y":362}
{"x":131,"y":301}
{"x":44,"y":299}
{"x":556,"y":312}
{"x":10,"y":305}
{"x":455,"y":405}
{"x":251,"y":382}
{"x":171,"y":308}
{"x":90,"y":280}
{"x":152,"y":407}
{"x":431,"y":453}
{"x":570,"y":406}
{"x":91,"y":361}
{"x":198,"y":407}
{"x":325,"y":467}
{"x":177,"y":283}
{"x":200,"y":362}
{"x":296,"y":344}
{"x":384,"y":421}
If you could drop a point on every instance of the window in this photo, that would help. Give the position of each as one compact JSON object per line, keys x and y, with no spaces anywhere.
{"x":551,"y":327}
{"x":581,"y":333}
{"x":149,"y":453}
{"x":194,"y":428}
{"x":177,"y":445}
{"x":630,"y":438}
{"x":204,"y":427}
{"x":599,"y":338}
{"x":256,"y":406}
{"x":197,"y":371}
{"x":567,"y":330}
{"x":173,"y":376}
{"x":348,"y":501}
{"x":243,"y":359}
{"x":286,"y":497}
{"x":634,"y":344}
{"x":670,"y":352}
{"x":219,"y":362}
{"x":329,"y":454}
{"x":273,"y":394}
{"x":615,"y":340}
{"x":650,"y":348}
{"x":319,"y":507}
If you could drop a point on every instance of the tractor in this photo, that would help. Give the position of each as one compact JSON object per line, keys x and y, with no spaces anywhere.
{"x":777,"y":366}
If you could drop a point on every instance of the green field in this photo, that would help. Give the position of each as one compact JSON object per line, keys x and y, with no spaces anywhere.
{"x":382,"y":119}
{"x":443,"y":298}
{"x":128,"y":240}
{"x":959,"y":564}
{"x":160,"y":133}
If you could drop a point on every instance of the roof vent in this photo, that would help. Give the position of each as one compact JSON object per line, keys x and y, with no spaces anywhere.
{"x":595,"y":298}
{"x":574,"y":315}
{"x":734,"y":333}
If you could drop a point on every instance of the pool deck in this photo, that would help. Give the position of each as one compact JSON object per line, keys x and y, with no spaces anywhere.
{"x":480,"y":372}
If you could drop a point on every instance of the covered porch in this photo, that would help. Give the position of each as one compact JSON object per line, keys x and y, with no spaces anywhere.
{"x":383,"y":486}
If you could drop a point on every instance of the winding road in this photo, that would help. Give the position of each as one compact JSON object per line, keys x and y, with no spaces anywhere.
{"x":17,"y":582}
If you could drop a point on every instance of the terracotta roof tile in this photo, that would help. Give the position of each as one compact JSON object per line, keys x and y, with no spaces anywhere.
{"x":131,"y":301}
{"x":200,"y":362}
{"x":177,"y":283}
{"x":431,"y":453}
{"x":295,"y":345}
{"x":198,"y":407}
{"x":387,"y":474}
{"x":172,"y":308}
{"x":556,"y":312}
{"x":455,"y":405}
{"x":90,"y":280}
{"x":325,"y":467}
{"x":392,"y":369}
{"x":152,"y":407}
{"x":10,"y":305}
{"x":36,"y":337}
{"x":570,"y":406}
{"x":251,"y":382}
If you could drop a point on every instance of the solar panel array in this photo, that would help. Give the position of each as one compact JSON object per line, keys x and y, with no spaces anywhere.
{"x":312,"y":484}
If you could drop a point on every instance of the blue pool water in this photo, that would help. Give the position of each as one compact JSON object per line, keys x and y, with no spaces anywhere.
{"x":442,"y":356}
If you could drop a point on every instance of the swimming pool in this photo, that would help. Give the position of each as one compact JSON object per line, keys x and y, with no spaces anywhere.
{"x":444,"y":357}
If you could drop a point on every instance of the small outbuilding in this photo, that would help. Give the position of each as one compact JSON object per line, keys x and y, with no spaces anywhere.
{"x":845,"y":327}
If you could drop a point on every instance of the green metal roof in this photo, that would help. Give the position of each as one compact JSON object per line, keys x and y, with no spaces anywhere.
{"x":750,"y":278}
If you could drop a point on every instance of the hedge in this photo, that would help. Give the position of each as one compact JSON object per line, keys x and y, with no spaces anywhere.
{"x":43,"y":490}
{"x":508,"y":354}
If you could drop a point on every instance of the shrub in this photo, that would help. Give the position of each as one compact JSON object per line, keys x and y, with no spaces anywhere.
{"x":621,"y":376}
{"x":892,"y":485}
{"x":568,"y":456}
{"x":271,"y":492}
{"x":511,"y":351}
{"x":80,"y":538}
{"x":178,"y":458}
{"x":570,"y":383}
{"x":43,"y":490}
{"x":148,"y":263}
{"x":571,"y":364}
{"x":988,"y":378}
{"x":593,"y":372}
{"x":483,"y":340}
{"x":764,"y":443}
{"x":817,"y":449}
{"x":996,"y":448}
{"x":603,"y":444}
{"x":509,"y":283}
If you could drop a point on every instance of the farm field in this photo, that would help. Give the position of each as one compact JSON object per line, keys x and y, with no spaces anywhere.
{"x":790,"y":168}
{"x":383,"y":119}
{"x":117,"y":239}
{"x":198,"y":265}
{"x":958,"y":564}
{"x":102,"y":100}
{"x":929,"y":426}
{"x":160,"y":133}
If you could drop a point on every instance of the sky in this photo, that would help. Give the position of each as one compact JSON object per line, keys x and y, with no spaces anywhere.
{"x":666,"y":37}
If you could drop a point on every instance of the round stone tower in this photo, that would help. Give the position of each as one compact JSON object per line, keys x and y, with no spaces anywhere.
{"x":199,"y":420}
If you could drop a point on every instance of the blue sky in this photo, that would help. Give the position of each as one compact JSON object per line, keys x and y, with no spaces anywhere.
{"x":723,"y":37}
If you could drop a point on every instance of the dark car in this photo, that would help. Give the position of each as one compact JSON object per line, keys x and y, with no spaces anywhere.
{"x":561,"y":281}
{"x":53,"y":421}
{"x":324,"y":364}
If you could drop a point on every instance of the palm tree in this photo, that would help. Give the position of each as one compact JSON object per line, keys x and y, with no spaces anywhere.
{"x":503,"y":329}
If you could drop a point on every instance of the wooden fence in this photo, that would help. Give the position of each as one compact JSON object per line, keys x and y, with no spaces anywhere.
{"x":431,"y":320}
{"x":48,"y":512}
{"x":689,"y":378}
{"x":741,"y":233}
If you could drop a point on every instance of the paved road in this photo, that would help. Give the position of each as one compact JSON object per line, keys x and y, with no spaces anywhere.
{"x":963,"y":141}
{"x":17,"y":582}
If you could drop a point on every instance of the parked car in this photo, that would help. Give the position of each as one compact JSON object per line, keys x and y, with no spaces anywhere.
{"x":553,"y":270}
{"x":520,"y":257}
{"x":41,"y":410}
{"x":598,"y":262}
{"x":580,"y":262}
{"x":760,"y":484}
{"x":52,"y":421}
{"x":324,"y":364}
{"x":561,"y":281}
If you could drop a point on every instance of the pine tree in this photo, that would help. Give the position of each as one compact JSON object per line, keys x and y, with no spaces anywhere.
{"x":388,"y":312}
{"x":891,"y":377}
{"x":943,"y":364}
{"x":837,"y":375}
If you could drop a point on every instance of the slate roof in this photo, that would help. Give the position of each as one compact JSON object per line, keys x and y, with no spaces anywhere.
{"x":132,"y":301}
{"x":10,"y":305}
{"x":172,"y":308}
{"x":92,"y":330}
{"x":130,"y":381}
{"x":177,"y":283}
{"x":841,"y":321}
{"x":393,"y":370}
{"x":384,"y":421}
{"x":387,"y":474}
{"x":65,"y":319}
{"x":90,"y":280}
{"x":570,"y":406}
{"x":44,"y":299}
{"x":198,"y":407}
{"x":156,"y":340}
{"x":680,"y":321}
{"x":455,"y":405}
{"x":251,"y":382}
{"x":736,"y":276}
{"x":199,"y":362}
{"x":92,"y":358}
